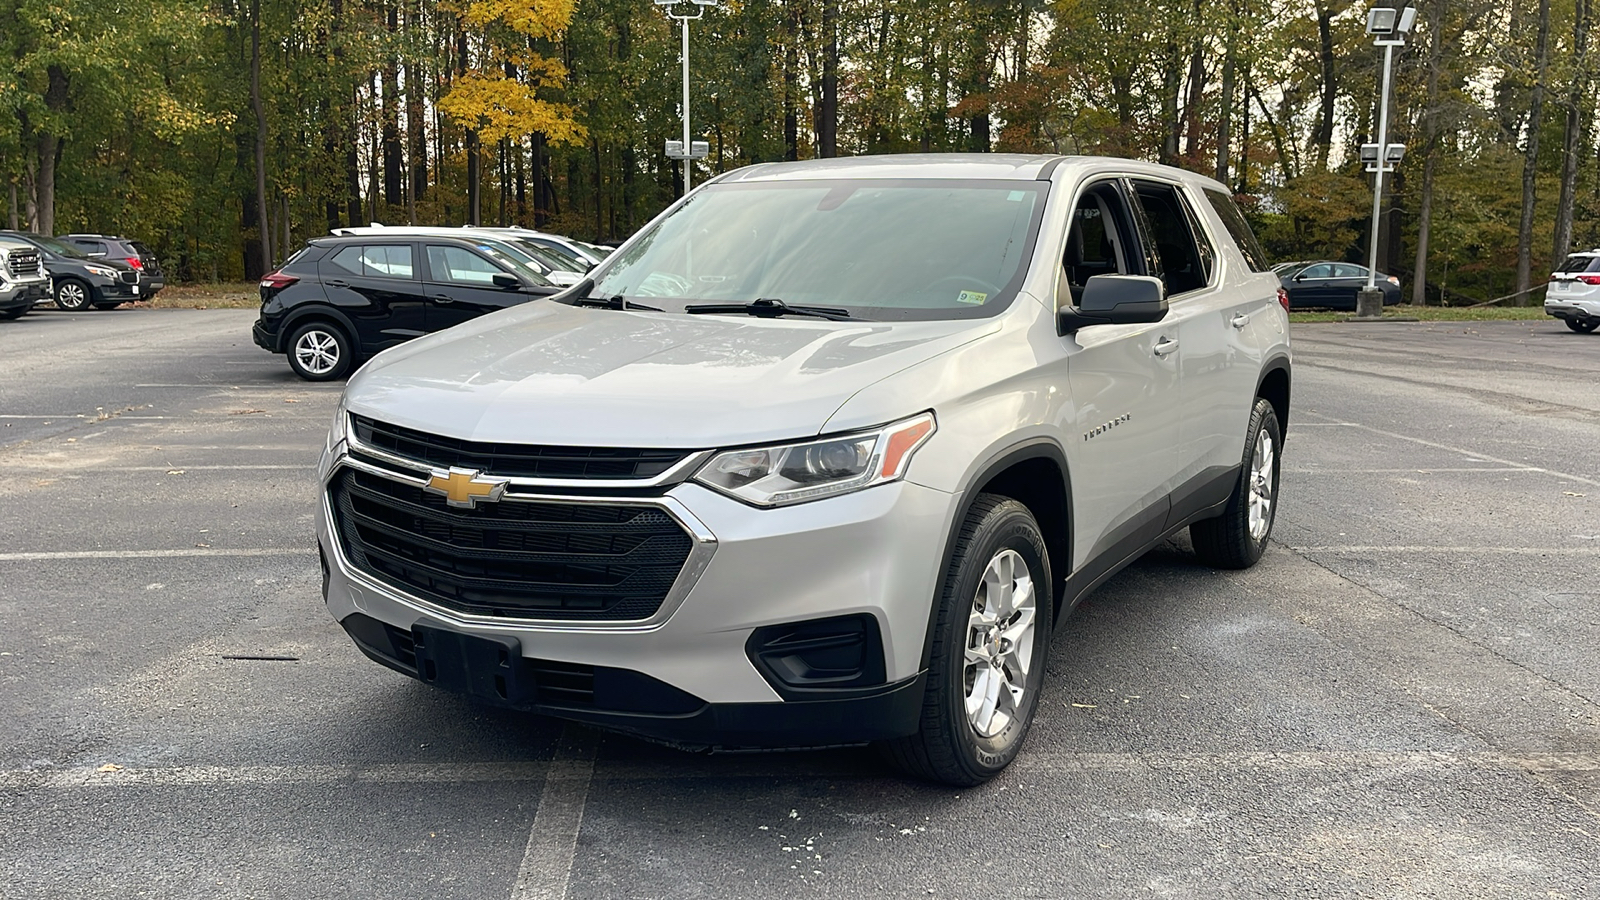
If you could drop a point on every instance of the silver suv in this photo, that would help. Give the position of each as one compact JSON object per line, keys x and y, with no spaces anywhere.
{"x":1574,"y":292}
{"x":822,"y":455}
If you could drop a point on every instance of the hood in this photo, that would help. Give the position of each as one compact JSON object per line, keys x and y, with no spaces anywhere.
{"x":548,"y":373}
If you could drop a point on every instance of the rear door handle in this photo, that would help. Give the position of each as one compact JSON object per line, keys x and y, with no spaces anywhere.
{"x":1239,"y":320}
{"x":337,"y":283}
{"x":1165,"y":346}
{"x":444,"y":298}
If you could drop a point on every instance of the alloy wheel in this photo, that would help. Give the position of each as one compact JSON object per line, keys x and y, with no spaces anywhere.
{"x":317,"y":351}
{"x":1261,"y":488}
{"x":999,"y":651}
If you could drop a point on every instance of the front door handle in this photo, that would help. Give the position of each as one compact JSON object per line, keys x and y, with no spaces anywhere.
{"x":444,"y":298}
{"x":1239,"y":320}
{"x":1165,"y":346}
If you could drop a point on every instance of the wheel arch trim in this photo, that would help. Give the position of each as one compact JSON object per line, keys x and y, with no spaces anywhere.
{"x":298,"y":316}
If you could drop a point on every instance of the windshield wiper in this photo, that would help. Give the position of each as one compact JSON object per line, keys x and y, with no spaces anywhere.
{"x":771,"y":308}
{"x":580,"y":297}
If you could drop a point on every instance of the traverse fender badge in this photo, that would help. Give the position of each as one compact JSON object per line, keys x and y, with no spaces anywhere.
{"x":464,"y":488}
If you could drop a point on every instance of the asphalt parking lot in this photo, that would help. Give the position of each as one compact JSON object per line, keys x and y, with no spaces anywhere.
{"x":1401,"y":700}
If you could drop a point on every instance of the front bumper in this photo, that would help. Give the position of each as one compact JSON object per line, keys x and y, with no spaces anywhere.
{"x":876,"y":552}
{"x":23,"y":294}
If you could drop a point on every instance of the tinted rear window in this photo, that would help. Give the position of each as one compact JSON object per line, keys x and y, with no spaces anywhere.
{"x":1234,"y":221}
{"x":1581,"y":262}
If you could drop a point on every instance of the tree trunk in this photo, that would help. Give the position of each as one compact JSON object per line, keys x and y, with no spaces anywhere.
{"x":49,"y":151}
{"x":1225,"y":107}
{"x":828,"y":111}
{"x":791,"y":87}
{"x":1577,"y":112}
{"x":1171,"y":127}
{"x":1530,"y":158}
{"x":1322,"y":139}
{"x":264,"y":231}
{"x":1430,"y":160}
{"x":416,"y":119}
{"x":394,"y":191}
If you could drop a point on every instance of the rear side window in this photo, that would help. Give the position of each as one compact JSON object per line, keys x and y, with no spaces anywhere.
{"x":375,"y":260}
{"x":1239,"y":229}
{"x":1581,"y":262}
{"x":90,"y":246}
{"x":1183,"y":265}
{"x":1345,"y":270}
{"x":1323,"y":271}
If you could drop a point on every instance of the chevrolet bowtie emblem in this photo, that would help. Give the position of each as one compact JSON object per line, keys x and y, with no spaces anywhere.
{"x":465,"y":487}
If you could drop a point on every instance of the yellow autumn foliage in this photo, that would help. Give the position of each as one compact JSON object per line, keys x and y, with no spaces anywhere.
{"x":534,"y":18}
{"x":500,"y":107}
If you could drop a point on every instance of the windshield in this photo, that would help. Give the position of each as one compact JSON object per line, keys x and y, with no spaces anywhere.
{"x":554,"y":261}
{"x":60,"y":248}
{"x":882,"y":249}
{"x":514,"y":257}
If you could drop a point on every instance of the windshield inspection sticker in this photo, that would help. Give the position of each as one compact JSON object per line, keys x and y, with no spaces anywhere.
{"x":1015,"y":196}
{"x":974,"y":298}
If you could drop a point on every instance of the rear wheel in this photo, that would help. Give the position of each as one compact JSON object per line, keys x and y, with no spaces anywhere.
{"x":1237,"y":538}
{"x":14,"y":313}
{"x":990,"y":640}
{"x":107,"y":305}
{"x":320,"y":351}
{"x":1583,"y":326}
{"x":73,"y":295}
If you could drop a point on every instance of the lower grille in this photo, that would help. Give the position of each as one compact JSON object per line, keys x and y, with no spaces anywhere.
{"x":558,"y":561}
{"x":128,"y":277}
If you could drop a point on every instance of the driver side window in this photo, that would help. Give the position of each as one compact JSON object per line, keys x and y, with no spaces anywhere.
{"x":1095,"y":244}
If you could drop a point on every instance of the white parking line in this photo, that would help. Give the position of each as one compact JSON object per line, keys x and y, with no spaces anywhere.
{"x":1432,"y":470}
{"x":156,"y":554}
{"x":568,"y":777}
{"x":1471,"y":453}
{"x":1593,"y":550}
{"x":29,"y":464}
{"x":553,"y":841}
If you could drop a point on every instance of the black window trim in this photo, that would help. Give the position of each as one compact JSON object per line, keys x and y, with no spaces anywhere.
{"x":1185,"y":204}
{"x":1130,"y":248}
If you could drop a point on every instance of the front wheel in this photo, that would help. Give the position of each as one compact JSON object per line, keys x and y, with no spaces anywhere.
{"x":1237,"y":538}
{"x":73,"y":295}
{"x":319,"y":351}
{"x":990,"y":641}
{"x":1583,"y":326}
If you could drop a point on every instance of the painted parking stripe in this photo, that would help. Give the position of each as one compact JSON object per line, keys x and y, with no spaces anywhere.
{"x":553,"y":841}
{"x":1473,"y":454}
{"x":568,"y":777}
{"x":1583,"y":550}
{"x":156,"y":554}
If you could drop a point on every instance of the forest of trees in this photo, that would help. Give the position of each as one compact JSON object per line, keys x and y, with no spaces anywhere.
{"x":226,"y":132}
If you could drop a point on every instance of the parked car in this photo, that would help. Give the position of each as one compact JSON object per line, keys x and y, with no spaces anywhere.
{"x":345,"y":297}
{"x":23,"y":279}
{"x":547,"y":265}
{"x":1574,"y":292}
{"x":121,"y":249}
{"x":79,"y":282}
{"x":585,"y":254}
{"x":749,"y":485}
{"x":1331,"y":285}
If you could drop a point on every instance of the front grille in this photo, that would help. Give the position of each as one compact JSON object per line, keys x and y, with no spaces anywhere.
{"x":129,"y":277}
{"x":561,"y":561}
{"x":516,"y":460}
{"x":24,"y":264}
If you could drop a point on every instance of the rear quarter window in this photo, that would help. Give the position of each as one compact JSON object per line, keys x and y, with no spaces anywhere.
{"x":1239,"y":230}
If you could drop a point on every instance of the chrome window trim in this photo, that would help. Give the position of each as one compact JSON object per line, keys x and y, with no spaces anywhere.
{"x":705,"y":545}
{"x":679,"y":471}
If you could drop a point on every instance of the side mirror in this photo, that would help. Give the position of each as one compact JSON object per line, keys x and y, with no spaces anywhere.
{"x":509,"y":282}
{"x":1116,"y":300}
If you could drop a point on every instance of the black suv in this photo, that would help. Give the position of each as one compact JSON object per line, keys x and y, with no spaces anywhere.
{"x":81,"y":282}
{"x":121,"y":249}
{"x":344,"y":298}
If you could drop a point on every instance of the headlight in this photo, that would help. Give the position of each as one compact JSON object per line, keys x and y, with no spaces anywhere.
{"x":795,"y":473}
{"x":340,"y":429}
{"x":100,"y":271}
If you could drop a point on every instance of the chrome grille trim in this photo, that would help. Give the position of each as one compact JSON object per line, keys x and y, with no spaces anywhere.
{"x":700,"y":553}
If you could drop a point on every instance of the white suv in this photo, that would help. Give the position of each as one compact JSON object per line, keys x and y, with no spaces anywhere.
{"x":1574,"y":292}
{"x":822,"y":455}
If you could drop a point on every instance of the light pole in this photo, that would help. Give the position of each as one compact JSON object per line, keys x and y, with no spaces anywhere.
{"x":1389,"y":25}
{"x":688,"y":149}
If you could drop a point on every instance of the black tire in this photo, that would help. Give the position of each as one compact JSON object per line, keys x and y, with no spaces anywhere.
{"x":1227,"y":541}
{"x":73,"y":295}
{"x":949,"y":748}
{"x":1583,"y":326}
{"x":107,"y":305}
{"x":14,"y":313}
{"x":320,"y":351}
